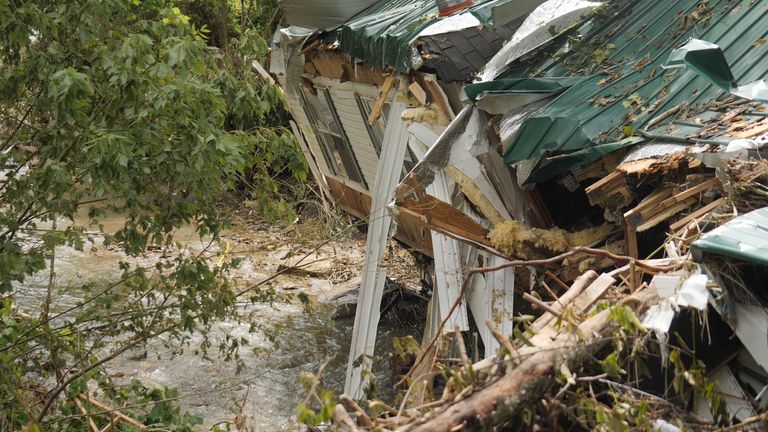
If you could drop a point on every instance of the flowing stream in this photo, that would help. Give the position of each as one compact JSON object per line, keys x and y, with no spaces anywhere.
{"x":288,"y":339}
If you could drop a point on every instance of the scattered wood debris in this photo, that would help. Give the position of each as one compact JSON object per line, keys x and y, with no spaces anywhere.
{"x":749,"y":187}
{"x":586,"y":311}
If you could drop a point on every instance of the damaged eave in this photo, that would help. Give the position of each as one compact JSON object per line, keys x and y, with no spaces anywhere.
{"x":405,"y":36}
{"x":745,"y":238}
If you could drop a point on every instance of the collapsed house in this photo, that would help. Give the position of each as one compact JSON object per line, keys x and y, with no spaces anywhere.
{"x":537,"y":147}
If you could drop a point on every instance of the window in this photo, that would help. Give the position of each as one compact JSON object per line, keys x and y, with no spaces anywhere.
{"x":333,"y":141}
{"x":376,"y":130}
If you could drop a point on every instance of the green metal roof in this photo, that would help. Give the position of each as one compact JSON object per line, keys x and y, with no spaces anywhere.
{"x":519,"y":85}
{"x":744,"y":238}
{"x":382,"y":35}
{"x":620,"y":56}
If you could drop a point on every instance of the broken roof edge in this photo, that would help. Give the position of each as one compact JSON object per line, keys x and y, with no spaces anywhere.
{"x":536,"y":31}
{"x":744,"y":238}
{"x":386,"y":34}
{"x":549,"y":85}
{"x":552,"y":131}
{"x":708,"y":60}
{"x":549,"y":167}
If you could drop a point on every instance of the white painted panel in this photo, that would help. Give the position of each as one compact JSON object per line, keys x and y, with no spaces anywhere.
{"x":502,"y":289}
{"x":325,"y":194}
{"x":448,"y":274}
{"x":448,"y":264}
{"x":490,"y":296}
{"x":734,"y":396}
{"x":752,"y":330}
{"x":479,"y":299}
{"x":374,"y":272}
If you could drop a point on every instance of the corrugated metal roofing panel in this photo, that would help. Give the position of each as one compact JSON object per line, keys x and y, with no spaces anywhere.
{"x":744,"y":238}
{"x":319,"y":14}
{"x":621,"y":53}
{"x":383,"y":34}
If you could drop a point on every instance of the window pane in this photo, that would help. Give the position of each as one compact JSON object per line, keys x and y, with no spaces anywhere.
{"x":376,"y":130}
{"x":330,"y":134}
{"x":341,"y":141}
{"x":315,"y":117}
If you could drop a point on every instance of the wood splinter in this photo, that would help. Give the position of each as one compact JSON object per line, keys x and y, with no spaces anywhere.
{"x":379,"y":104}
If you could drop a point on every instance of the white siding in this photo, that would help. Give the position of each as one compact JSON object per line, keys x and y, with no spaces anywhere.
{"x":297,"y":110}
{"x":354,"y":125}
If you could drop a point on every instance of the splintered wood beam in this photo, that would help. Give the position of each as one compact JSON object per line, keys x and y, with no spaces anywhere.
{"x":701,"y":187}
{"x":594,"y":292}
{"x":697,"y":214}
{"x":579,"y":285}
{"x":663,"y":205}
{"x":630,"y":239}
{"x":389,"y":82}
{"x":755,"y":129}
{"x":611,"y":189}
{"x":586,"y":291}
{"x":445,"y":218}
{"x":411,"y":230}
{"x":263,"y":72}
{"x":438,"y":96}
{"x":540,"y":215}
{"x":648,"y":202}
{"x":596,"y":192}
{"x":665,"y":214}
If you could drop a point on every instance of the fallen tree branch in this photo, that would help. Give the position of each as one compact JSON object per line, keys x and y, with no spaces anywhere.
{"x":760,"y":418}
{"x":352,"y":406}
{"x":113,"y":412}
{"x":503,"y":341}
{"x":316,"y":381}
{"x":343,"y":419}
{"x":500,"y":401}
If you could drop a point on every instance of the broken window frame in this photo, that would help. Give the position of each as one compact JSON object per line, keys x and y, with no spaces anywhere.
{"x":333,"y":140}
{"x":379,"y":126}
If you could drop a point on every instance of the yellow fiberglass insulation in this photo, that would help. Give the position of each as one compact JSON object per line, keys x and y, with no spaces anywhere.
{"x":518,"y":241}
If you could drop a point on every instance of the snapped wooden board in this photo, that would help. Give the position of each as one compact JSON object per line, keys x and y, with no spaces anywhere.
{"x":411,"y":229}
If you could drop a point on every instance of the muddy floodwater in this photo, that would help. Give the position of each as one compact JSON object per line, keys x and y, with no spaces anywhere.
{"x":288,"y":338}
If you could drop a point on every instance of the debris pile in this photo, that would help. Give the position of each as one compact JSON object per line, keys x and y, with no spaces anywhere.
{"x":630,"y":342}
{"x":592,"y":194}
{"x":654,"y":317}
{"x":749,"y":183}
